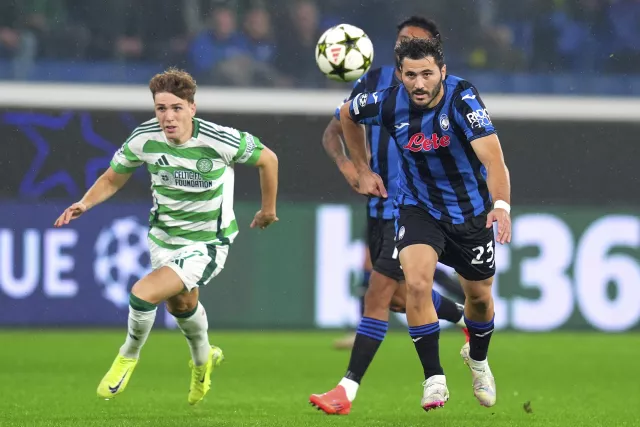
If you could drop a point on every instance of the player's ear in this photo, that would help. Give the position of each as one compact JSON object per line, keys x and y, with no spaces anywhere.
{"x":443,"y":70}
{"x":192,"y":108}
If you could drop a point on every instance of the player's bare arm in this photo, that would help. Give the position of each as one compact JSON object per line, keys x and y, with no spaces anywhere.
{"x":332,"y":143}
{"x":268,"y":165}
{"x":334,"y":147}
{"x":105,"y":186}
{"x":369,"y":183}
{"x":489,"y":152}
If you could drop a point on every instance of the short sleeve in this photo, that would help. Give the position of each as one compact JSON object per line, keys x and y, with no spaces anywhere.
{"x":358,"y":87}
{"x":471,"y":114}
{"x":366,"y":108}
{"x":127,"y":158}
{"x":249,"y":150}
{"x":232,"y":145}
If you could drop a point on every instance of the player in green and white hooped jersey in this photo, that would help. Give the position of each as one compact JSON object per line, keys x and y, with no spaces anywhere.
{"x":191,"y":163}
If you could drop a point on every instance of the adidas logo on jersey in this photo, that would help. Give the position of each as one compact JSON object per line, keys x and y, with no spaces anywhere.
{"x":162,"y":161}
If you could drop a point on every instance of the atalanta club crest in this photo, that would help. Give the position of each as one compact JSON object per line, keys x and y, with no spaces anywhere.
{"x":444,"y":122}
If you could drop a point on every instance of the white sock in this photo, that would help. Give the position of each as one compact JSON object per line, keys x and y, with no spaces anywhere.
{"x":138,"y":329}
{"x":479,"y":365}
{"x":351,"y":387}
{"x":195,"y":329}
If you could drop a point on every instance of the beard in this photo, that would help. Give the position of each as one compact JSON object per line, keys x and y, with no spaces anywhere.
{"x":432,"y":94}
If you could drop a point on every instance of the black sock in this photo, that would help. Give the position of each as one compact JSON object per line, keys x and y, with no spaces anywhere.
{"x":425,"y":338}
{"x":451,"y":285}
{"x":479,"y":337}
{"x":366,"y":275}
{"x":369,"y":336}
{"x":446,"y":309}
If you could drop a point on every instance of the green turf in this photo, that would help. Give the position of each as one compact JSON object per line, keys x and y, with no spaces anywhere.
{"x":49,"y":379}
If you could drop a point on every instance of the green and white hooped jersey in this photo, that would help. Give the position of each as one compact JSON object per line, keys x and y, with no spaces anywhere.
{"x":191,"y":183}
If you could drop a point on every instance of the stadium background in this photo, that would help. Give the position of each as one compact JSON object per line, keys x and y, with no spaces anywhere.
{"x":565,"y":106}
{"x":561,"y":80}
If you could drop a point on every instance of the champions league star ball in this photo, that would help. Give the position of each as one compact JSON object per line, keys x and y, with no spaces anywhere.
{"x":344,"y":53}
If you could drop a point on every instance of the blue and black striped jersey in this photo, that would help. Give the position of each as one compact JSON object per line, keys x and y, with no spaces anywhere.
{"x":438,"y":168}
{"x":384,"y":156}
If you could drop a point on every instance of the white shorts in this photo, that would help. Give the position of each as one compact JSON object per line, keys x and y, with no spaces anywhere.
{"x":196,"y":264}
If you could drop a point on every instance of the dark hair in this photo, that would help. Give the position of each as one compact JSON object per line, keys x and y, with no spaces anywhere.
{"x":175,"y":81}
{"x":416,"y":48}
{"x":421,"y":22}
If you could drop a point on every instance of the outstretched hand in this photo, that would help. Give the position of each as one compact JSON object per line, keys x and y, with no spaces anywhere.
{"x":71,"y":213}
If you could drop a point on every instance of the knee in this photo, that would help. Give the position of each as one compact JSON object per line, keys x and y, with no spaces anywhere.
{"x":142,"y":292}
{"x":480,"y":302}
{"x":374,"y":300}
{"x":140,"y":304}
{"x":180,"y":305}
{"x":420,"y":287}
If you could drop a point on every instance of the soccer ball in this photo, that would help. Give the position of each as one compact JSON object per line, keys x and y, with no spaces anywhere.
{"x":344,"y":53}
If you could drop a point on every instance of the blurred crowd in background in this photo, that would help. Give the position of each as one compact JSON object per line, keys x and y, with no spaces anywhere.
{"x":272,"y":42}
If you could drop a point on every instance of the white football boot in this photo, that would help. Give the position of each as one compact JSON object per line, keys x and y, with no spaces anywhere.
{"x":484,"y":385}
{"x":435,"y":393}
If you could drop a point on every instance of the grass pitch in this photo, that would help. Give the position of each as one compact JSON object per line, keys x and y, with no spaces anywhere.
{"x":580,"y":379}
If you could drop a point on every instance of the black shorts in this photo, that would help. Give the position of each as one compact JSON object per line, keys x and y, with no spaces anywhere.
{"x":468,"y":248}
{"x":381,"y":234}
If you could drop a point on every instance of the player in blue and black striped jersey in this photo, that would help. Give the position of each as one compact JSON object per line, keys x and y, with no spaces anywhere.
{"x":380,"y":233}
{"x":387,"y":276}
{"x":452,"y":185}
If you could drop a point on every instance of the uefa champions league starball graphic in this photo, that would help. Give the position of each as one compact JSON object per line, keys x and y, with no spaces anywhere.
{"x":121,"y":258}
